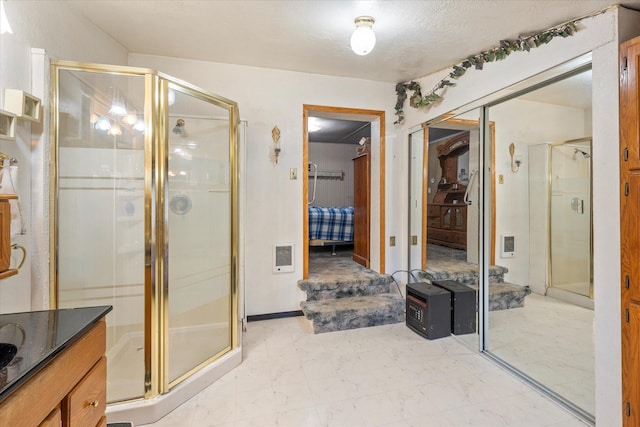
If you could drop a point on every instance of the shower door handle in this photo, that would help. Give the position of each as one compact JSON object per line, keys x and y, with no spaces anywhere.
{"x":577,"y":205}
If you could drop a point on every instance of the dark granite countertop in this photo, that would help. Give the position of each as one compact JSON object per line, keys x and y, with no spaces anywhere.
{"x":40,"y":336}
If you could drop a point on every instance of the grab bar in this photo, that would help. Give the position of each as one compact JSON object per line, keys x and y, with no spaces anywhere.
{"x":315,"y":180}
{"x":474,"y":172}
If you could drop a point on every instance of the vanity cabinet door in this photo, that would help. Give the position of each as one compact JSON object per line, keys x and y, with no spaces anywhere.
{"x":54,"y":419}
{"x":86,"y":403}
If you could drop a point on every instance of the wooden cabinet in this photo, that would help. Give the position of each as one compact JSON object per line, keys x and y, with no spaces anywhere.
{"x":69,"y":391}
{"x":629,"y":234}
{"x":5,"y":236}
{"x":86,"y":403}
{"x":54,"y":419}
{"x":447,"y":213}
{"x":361,"y":204}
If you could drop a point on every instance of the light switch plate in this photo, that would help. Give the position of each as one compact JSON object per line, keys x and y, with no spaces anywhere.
{"x":293,"y":173}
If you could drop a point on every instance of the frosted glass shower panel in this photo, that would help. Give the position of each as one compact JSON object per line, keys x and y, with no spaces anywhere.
{"x":100,"y":215}
{"x":199,"y":201}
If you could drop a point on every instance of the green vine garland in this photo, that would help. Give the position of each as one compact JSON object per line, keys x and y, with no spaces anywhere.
{"x":506,"y":48}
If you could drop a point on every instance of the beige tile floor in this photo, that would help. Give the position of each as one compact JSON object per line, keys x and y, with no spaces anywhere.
{"x":380,"y":376}
{"x":552,"y":342}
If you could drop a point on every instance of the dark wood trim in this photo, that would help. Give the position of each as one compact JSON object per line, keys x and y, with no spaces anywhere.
{"x":270,"y":316}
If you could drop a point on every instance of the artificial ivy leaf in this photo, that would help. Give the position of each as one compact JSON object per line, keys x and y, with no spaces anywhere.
{"x":479,"y":63}
{"x":415,"y":99}
{"x":413,"y":86}
{"x":457,"y":72}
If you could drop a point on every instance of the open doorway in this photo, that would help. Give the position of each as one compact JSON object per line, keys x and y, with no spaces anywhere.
{"x":343,"y":170}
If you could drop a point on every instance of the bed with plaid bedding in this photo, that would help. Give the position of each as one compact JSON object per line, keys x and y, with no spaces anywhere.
{"x":331,"y":223}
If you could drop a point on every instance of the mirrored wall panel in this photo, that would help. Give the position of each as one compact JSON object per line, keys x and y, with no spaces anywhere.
{"x":543,"y":238}
{"x":444,"y":210}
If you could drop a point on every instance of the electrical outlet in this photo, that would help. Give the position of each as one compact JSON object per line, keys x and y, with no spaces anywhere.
{"x":293,"y":173}
{"x":392,"y":240}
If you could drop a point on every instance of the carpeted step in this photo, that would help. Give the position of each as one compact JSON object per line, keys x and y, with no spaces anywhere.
{"x":503,"y":296}
{"x":363,"y":284}
{"x":354,"y":312}
{"x":465,"y":273}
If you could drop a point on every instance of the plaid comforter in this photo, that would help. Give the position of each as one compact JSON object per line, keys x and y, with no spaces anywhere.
{"x":331,"y":223}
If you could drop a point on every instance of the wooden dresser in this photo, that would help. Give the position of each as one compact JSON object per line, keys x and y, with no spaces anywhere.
{"x":447,"y":214}
{"x":67,"y":386}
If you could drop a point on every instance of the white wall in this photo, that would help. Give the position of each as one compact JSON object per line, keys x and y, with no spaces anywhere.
{"x":600,"y":35}
{"x":65,"y":35}
{"x":274,"y":204}
{"x":332,"y":157}
{"x":416,"y":139}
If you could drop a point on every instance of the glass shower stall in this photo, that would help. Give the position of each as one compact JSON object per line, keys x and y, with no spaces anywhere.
{"x":570,"y":219}
{"x":144,"y":218}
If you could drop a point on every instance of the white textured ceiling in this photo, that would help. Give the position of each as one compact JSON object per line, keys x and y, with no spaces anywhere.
{"x":414,"y":38}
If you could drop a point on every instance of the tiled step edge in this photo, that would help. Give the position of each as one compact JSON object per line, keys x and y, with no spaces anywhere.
{"x":355,"y":312}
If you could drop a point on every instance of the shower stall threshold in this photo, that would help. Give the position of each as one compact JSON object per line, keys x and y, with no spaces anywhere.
{"x":570,"y":297}
{"x":147,"y":411}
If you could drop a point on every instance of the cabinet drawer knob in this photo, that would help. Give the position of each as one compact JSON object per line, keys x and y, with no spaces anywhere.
{"x":93,"y":403}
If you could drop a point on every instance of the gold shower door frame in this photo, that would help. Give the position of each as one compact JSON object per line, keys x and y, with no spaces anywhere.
{"x":156,"y":140}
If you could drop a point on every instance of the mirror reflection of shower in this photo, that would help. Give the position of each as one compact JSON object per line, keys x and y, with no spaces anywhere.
{"x":179,"y":128}
{"x":571,"y":245}
{"x":577,"y":151}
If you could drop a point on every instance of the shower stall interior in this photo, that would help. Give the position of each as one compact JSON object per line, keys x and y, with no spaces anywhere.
{"x":144,"y":192}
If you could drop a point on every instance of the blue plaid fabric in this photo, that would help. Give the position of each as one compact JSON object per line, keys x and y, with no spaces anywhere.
{"x":331,"y":223}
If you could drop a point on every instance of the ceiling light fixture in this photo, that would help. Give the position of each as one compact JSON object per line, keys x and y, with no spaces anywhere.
{"x":313,"y":124}
{"x":363,"y":38}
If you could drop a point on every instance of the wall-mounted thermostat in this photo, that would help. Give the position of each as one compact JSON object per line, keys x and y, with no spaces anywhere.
{"x":508,"y":249}
{"x":283,"y":258}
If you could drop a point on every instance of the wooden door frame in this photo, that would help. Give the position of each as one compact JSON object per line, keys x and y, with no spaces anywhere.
{"x":425,"y":175}
{"x":367,"y":115}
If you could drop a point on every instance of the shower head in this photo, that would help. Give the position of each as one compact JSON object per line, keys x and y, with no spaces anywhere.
{"x":179,"y":128}
{"x":585,"y":155}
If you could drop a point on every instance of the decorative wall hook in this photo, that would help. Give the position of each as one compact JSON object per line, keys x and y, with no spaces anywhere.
{"x":275,"y":135}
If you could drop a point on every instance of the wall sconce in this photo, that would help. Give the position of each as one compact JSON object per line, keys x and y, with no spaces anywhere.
{"x":275,"y":135}
{"x":516,"y":161}
{"x":363,"y":38}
